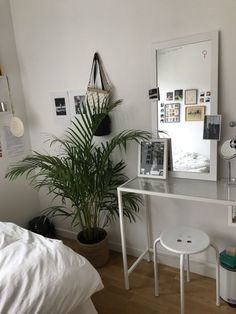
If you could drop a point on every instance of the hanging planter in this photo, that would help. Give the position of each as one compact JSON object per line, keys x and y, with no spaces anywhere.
{"x":104,"y":128}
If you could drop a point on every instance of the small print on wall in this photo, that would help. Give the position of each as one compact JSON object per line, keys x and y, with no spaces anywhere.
{"x":169,"y":96}
{"x":190,"y":96}
{"x":194,"y":113}
{"x":76,"y":100}
{"x":179,"y":94}
{"x":60,"y":102}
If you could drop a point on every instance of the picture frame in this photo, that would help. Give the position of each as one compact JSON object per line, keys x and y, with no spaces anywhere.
{"x":153,"y":158}
{"x":212,"y":127}
{"x":194,"y":113}
{"x":172,"y":113}
{"x":60,"y":102}
{"x":190,"y":96}
{"x":76,"y":101}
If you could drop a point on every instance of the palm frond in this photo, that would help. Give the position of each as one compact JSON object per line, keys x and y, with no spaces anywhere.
{"x":83,"y":173}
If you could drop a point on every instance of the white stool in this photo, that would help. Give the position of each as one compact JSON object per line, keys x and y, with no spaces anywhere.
{"x":185,"y":241}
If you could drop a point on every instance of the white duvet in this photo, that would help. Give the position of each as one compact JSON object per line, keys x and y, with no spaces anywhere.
{"x":41,"y":275}
{"x":186,"y":161}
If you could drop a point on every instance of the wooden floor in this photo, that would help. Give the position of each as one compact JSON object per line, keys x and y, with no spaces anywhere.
{"x":140,"y":299}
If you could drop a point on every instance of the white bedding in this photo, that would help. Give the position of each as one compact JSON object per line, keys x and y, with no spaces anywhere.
{"x":185,"y":161}
{"x":41,"y":275}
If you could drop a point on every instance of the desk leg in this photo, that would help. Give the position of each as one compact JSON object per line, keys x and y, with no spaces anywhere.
{"x":148,"y":225}
{"x":123,"y":241}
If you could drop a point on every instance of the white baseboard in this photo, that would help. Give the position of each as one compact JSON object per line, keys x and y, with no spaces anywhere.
{"x":164,"y":257}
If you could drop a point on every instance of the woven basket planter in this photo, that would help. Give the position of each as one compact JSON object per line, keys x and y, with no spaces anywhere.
{"x":97,"y":253}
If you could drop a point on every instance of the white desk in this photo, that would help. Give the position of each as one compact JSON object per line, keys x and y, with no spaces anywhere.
{"x":196,"y":190}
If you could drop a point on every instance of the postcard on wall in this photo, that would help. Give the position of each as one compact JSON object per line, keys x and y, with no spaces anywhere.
{"x":169,"y":96}
{"x":76,"y":101}
{"x":60,"y":103}
{"x":179,"y":94}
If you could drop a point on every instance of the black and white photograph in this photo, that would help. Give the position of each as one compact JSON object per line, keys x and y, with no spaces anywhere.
{"x":179,"y":94}
{"x":60,"y":103}
{"x":153,"y":93}
{"x":76,"y":100}
{"x":212,"y":127}
{"x":169,"y":96}
{"x":79,"y":104}
{"x":153,"y":159}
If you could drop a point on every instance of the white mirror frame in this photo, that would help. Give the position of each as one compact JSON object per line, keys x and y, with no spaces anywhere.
{"x":214,"y":38}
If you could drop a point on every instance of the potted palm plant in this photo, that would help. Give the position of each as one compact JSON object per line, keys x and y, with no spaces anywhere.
{"x":84,"y":178}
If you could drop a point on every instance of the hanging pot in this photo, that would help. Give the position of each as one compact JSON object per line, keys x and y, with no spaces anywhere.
{"x":96,"y":253}
{"x":104,"y":127}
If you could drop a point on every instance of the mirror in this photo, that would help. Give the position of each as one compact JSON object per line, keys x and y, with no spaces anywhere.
{"x":186,"y":73}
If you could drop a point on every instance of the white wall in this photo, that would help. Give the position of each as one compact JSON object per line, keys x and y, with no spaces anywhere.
{"x":18,"y":203}
{"x":56,"y":40}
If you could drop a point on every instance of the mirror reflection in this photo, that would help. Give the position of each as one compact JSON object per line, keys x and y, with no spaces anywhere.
{"x":186,"y":74}
{"x":184,"y":79}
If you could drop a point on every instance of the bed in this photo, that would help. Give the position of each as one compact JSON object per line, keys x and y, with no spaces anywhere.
{"x":192,"y":162}
{"x":40,"y":275}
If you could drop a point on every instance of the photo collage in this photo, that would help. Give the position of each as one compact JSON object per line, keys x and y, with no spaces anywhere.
{"x":68,"y":103}
{"x":194,"y":101}
{"x":195,"y":109}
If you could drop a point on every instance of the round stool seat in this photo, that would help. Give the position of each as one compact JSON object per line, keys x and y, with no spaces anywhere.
{"x":184,"y":240}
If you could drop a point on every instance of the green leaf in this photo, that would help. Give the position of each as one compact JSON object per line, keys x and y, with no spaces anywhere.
{"x":83,"y":179}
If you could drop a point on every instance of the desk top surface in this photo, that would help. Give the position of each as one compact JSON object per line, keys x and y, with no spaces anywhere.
{"x":200,"y":190}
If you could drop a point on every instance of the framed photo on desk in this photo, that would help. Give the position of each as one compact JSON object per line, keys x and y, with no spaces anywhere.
{"x":153,"y":159}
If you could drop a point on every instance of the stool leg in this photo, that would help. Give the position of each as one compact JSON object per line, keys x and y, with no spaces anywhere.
{"x":187,"y":266}
{"x":217,"y":275}
{"x":156,"y":267}
{"x":182,"y":283}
